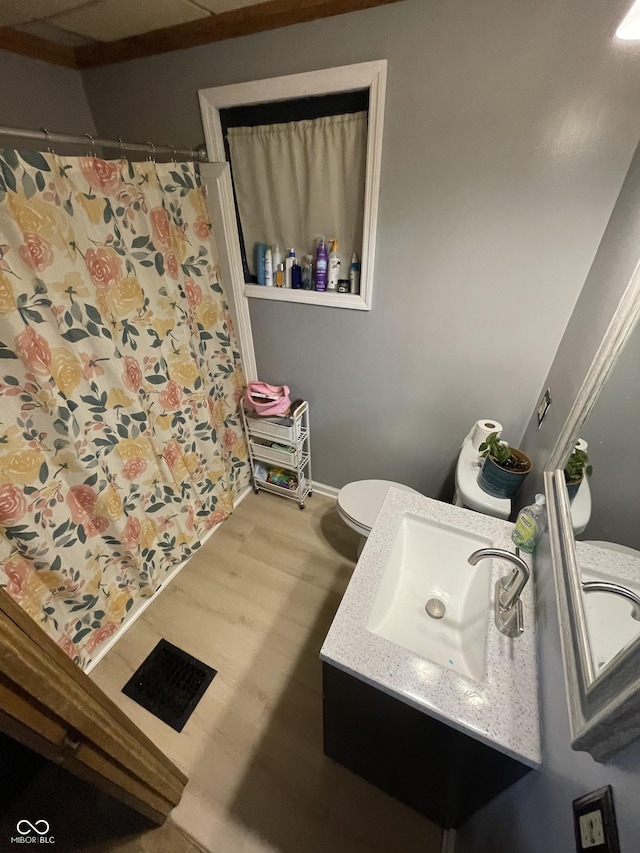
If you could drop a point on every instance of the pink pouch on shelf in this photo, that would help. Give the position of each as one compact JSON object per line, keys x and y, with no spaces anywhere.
{"x":267,"y":400}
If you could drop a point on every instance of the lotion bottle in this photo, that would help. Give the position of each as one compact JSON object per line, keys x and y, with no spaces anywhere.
{"x":322,"y":257}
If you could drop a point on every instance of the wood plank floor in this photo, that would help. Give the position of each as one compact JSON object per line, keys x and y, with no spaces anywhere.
{"x":255,"y":603}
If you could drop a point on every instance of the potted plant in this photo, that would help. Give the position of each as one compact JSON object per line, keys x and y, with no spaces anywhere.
{"x":575,"y":469}
{"x":504,"y":470}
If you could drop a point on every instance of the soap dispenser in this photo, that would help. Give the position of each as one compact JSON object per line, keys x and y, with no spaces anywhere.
{"x":530,"y":525}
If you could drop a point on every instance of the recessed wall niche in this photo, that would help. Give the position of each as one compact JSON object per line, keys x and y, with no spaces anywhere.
{"x":350,"y":97}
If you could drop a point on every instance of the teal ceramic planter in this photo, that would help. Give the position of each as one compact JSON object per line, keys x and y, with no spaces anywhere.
{"x":500,"y":482}
{"x":572,"y":489}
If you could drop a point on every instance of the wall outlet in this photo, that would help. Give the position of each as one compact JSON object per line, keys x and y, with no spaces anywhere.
{"x":544,"y":406}
{"x":594,"y":821}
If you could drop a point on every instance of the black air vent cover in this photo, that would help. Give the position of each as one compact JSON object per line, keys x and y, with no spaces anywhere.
{"x":169,"y":684}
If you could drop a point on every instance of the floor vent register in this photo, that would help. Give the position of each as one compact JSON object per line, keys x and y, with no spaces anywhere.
{"x":169,"y":683}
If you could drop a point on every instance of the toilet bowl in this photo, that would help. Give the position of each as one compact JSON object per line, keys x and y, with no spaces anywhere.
{"x":359,"y":504}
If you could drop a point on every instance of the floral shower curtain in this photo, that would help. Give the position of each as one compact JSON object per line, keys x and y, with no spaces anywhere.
{"x":120,"y":438}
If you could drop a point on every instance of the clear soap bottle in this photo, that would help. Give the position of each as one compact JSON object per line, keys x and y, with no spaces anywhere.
{"x":530,"y":525}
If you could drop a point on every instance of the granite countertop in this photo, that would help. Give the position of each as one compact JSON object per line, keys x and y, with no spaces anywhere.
{"x":600,"y":560}
{"x":502,"y":710}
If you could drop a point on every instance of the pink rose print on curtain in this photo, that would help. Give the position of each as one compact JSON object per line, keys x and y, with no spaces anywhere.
{"x":160,"y":228}
{"x":12,"y":505}
{"x":36,"y":252}
{"x":34,"y":352}
{"x":104,"y":266}
{"x":103,"y":175}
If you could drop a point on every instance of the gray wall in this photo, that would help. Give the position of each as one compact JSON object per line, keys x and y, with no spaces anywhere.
{"x":535,"y":815}
{"x":35,"y":95}
{"x":612,"y":430}
{"x":509,"y":128}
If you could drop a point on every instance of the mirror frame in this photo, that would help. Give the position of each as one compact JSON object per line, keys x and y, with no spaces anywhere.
{"x":604,"y":709}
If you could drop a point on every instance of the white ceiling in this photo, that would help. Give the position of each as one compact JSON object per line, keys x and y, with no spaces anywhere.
{"x":64,"y":21}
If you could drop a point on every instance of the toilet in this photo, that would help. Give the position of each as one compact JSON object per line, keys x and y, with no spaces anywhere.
{"x":359,"y":504}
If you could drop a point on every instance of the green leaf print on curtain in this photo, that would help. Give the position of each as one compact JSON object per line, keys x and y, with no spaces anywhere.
{"x":120,"y":381}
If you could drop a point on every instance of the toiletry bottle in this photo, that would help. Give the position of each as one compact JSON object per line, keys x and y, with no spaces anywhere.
{"x":530,"y":525}
{"x":354,"y":274}
{"x":334,"y":266}
{"x":322,"y":257}
{"x":307,"y":272}
{"x":279,"y":277}
{"x":288,"y":263}
{"x":268,"y":268}
{"x":296,"y":275}
{"x":276,"y":257}
{"x":261,"y":249}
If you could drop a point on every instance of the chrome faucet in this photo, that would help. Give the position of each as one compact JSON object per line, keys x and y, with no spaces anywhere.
{"x":616,"y":589}
{"x":508,"y":589}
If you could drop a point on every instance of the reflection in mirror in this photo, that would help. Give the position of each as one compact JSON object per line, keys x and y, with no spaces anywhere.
{"x":604,"y":510}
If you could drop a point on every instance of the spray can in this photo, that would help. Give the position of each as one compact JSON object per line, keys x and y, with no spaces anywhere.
{"x":322,"y":257}
{"x":354,"y":274}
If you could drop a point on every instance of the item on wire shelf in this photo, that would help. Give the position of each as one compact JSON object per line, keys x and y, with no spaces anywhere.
{"x":267,"y":400}
{"x":260,"y":471}
{"x":284,"y":447}
{"x":283,"y":478}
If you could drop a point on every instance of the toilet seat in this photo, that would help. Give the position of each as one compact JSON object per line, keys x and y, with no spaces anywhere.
{"x":359,"y":502}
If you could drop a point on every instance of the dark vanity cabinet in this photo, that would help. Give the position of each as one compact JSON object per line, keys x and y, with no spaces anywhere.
{"x":436,"y":769}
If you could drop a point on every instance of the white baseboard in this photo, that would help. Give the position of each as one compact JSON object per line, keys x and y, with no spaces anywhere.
{"x":138,"y":610}
{"x":322,"y":489}
{"x":448,"y":844}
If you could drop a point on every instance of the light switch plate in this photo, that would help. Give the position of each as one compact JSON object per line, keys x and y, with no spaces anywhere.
{"x":595,"y":822}
{"x":544,"y":407}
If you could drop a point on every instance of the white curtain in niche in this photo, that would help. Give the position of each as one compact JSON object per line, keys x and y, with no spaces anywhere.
{"x":300,"y":179}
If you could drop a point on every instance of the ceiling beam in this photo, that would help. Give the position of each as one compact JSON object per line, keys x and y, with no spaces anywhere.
{"x":238,"y":22}
{"x":15,"y":41}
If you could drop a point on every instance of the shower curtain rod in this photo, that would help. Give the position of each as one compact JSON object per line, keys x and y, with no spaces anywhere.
{"x":148,"y":147}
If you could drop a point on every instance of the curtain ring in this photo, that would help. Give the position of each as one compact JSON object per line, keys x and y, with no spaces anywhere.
{"x":194,"y":153}
{"x":173,"y":153}
{"x":122,"y":157}
{"x":48,"y":149}
{"x":152,"y":154}
{"x":92,"y":151}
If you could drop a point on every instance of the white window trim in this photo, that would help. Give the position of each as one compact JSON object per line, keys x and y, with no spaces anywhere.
{"x":364,"y":75}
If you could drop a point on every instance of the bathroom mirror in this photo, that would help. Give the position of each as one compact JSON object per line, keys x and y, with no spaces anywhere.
{"x":595,"y":538}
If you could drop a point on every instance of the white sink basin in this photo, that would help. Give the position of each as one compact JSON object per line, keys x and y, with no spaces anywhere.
{"x":428,"y":560}
{"x":609,"y":622}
